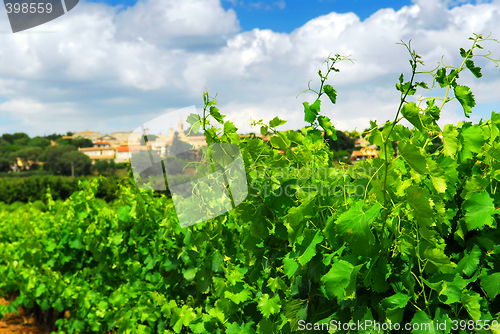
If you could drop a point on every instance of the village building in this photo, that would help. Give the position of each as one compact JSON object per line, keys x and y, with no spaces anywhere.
{"x":100,"y":151}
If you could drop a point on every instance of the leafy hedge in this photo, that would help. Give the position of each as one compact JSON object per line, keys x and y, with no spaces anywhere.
{"x":419,"y":244}
{"x":33,"y":188}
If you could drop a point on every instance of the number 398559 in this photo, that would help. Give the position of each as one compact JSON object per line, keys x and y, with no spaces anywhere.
{"x":28,"y":8}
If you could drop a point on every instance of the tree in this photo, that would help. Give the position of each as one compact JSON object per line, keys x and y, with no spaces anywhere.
{"x":354,"y":134}
{"x":11,"y":148}
{"x":20,"y":135}
{"x":8,"y":138}
{"x":4,"y":164}
{"x":342,"y":154}
{"x":18,"y":138}
{"x":174,"y":165}
{"x":178,"y":146}
{"x":81,"y":142}
{"x":21,"y":141}
{"x":29,"y":153}
{"x":343,"y":142}
{"x":141,"y":163}
{"x":39,"y":142}
{"x":104,"y":166}
{"x":81,"y":164}
{"x":52,"y":154}
{"x":4,"y":145}
{"x":53,"y":137}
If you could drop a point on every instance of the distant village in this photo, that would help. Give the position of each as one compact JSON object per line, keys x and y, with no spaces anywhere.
{"x":119,"y":146}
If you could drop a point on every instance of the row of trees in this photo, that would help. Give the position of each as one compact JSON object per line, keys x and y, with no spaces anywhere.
{"x":57,"y":159}
{"x":60,"y":158}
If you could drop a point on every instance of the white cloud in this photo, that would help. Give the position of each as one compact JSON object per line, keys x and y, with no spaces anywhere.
{"x":106,"y":68}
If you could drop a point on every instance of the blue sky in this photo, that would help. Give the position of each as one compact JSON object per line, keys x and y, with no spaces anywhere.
{"x":285,"y":16}
{"x":111,"y":66}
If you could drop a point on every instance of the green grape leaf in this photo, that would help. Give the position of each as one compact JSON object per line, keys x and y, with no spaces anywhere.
{"x":229,"y":128}
{"x":277,"y":141}
{"x":245,"y":328}
{"x":491,"y":284}
{"x":399,"y":300}
{"x":473,"y":140}
{"x":76,"y":243}
{"x":269,"y":306}
{"x":469,"y":263}
{"x":332,"y":93}
{"x":198,"y":328}
{"x":411,"y":154}
{"x":264,"y":130}
{"x":439,"y":258}
{"x":441,"y":77}
{"x":470,"y":300}
{"x":275,"y":122}
{"x":123,"y":214}
{"x":466,"y":98}
{"x":40,"y":290}
{"x":350,"y":290}
{"x":422,"y":324}
{"x":266,"y":326}
{"x":311,"y":111}
{"x":420,"y":201}
{"x":437,"y":175}
{"x":377,"y":277}
{"x":239,"y":297}
{"x":479,"y":210}
{"x":189,"y":273}
{"x":214,"y":111}
{"x":290,"y":266}
{"x":453,"y":290}
{"x":404,"y":88}
{"x":337,"y":279}
{"x":307,"y":248}
{"x":295,"y":218}
{"x":295,"y":136}
{"x":217,"y":262}
{"x":203,"y":281}
{"x":411,"y":112}
{"x":354,"y":225}
{"x":276,"y":284}
{"x":476,"y":70}
{"x":451,"y":144}
{"x":463,"y":53}
{"x":326,"y":124}
{"x":195,"y":121}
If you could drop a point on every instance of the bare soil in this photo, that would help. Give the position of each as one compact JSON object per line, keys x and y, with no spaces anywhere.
{"x":19,"y":323}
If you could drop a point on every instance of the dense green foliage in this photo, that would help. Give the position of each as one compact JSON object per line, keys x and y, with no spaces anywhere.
{"x":104,"y":166}
{"x":402,"y":238}
{"x":39,"y":149}
{"x":342,"y":143}
{"x":33,"y":188}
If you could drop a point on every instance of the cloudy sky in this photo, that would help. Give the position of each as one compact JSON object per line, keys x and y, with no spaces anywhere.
{"x":113,"y":65}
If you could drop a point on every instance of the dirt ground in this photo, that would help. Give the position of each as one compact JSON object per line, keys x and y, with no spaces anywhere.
{"x":19,"y":323}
